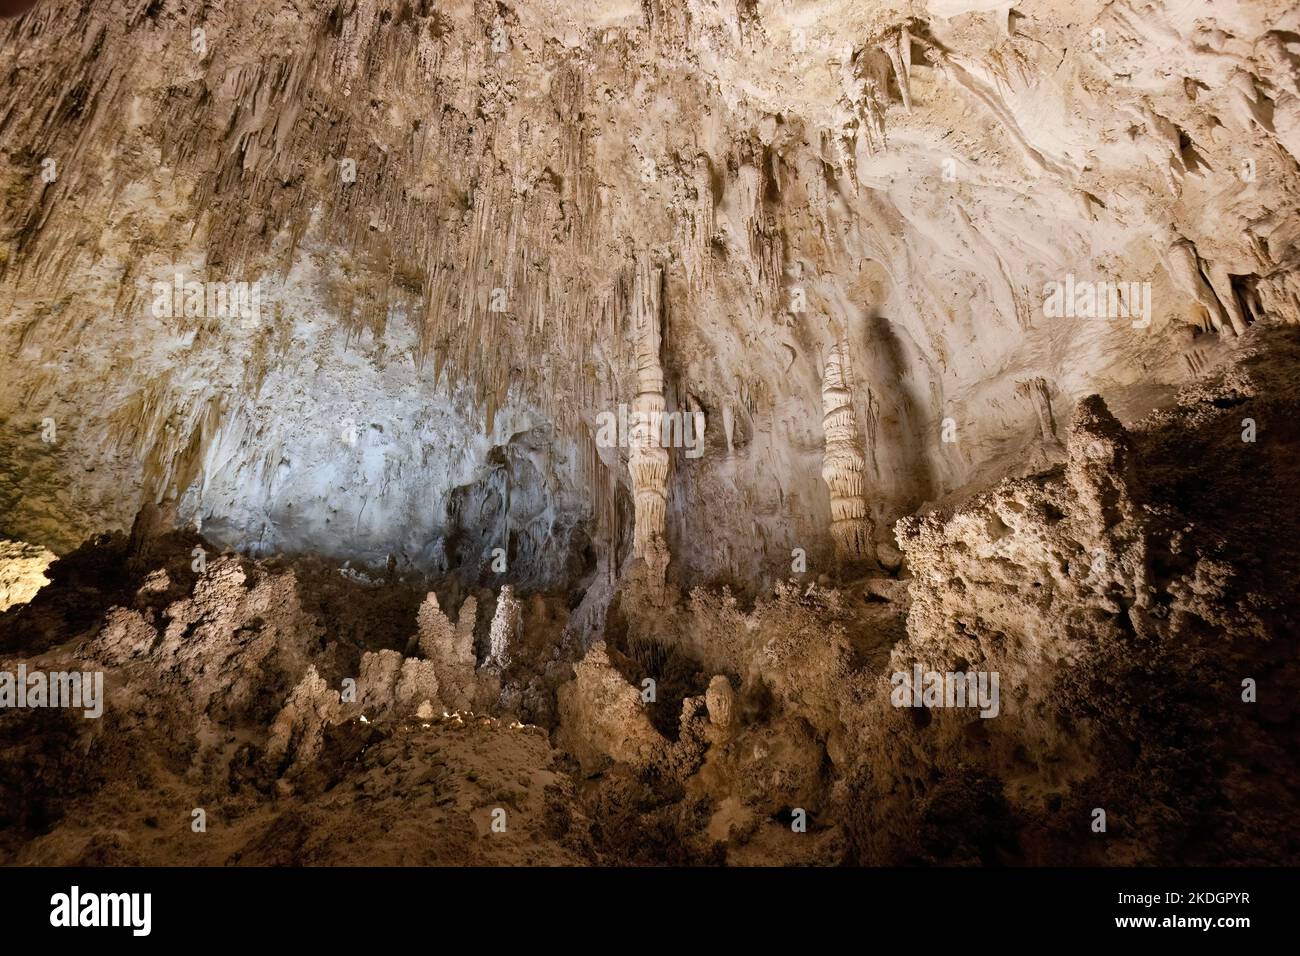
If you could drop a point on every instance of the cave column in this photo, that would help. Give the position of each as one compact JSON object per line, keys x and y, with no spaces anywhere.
{"x":843,"y":463}
{"x":647,"y":458}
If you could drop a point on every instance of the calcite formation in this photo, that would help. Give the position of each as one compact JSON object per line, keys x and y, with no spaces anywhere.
{"x":22,"y":571}
{"x":647,"y":458}
{"x":503,"y":630}
{"x":1104,"y":592}
{"x":721,"y":702}
{"x":449,"y":649}
{"x":297,"y":734}
{"x":390,"y":684}
{"x":844,"y":465}
{"x":606,"y":717}
{"x":451,"y":212}
{"x":308,"y":315}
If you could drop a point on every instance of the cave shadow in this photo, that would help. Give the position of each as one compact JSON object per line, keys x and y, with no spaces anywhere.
{"x":879,"y":342}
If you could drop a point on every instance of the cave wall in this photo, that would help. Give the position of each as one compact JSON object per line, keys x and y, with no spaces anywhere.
{"x":444,"y":206}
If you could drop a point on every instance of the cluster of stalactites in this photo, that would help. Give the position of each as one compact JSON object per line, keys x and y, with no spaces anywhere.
{"x":647,"y":459}
{"x":844,"y":464}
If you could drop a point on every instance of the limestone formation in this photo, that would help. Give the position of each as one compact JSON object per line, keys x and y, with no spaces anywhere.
{"x":436,"y":637}
{"x":898,"y":47}
{"x":22,"y":572}
{"x":390,"y":685}
{"x":843,"y":464}
{"x":721,"y":702}
{"x":1036,"y":389}
{"x":504,"y":630}
{"x":377,"y":682}
{"x":127,"y":635}
{"x":151,"y":522}
{"x":417,"y":687}
{"x":346,"y":294}
{"x":493,"y":259}
{"x":297,"y":735}
{"x":602,"y":718}
{"x":647,"y":458}
{"x":466,"y":621}
{"x":449,"y":649}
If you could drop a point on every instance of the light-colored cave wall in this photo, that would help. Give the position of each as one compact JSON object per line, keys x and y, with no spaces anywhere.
{"x":790,"y":196}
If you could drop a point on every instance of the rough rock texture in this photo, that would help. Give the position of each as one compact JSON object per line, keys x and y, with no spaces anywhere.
{"x":603,"y":719}
{"x":721,"y":702}
{"x":309,"y":313}
{"x":392,"y":686}
{"x":1123,"y":600}
{"x":22,"y":572}
{"x":229,"y":701}
{"x":843,"y":465}
{"x":418,"y":188}
{"x":503,"y":630}
{"x":298,"y":731}
{"x":449,"y":649}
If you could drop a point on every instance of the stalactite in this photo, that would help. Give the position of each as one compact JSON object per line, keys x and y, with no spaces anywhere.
{"x":843,"y":464}
{"x":695,"y":226}
{"x":1037,"y":391}
{"x":271,"y":135}
{"x":893,"y":47}
{"x":470,"y":178}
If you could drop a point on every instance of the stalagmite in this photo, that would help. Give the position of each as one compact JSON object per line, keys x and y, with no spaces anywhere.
{"x":720,"y":699}
{"x":22,"y":571}
{"x":436,"y":635}
{"x":844,"y":464}
{"x":505,"y":622}
{"x":466,"y":621}
{"x":648,"y":459}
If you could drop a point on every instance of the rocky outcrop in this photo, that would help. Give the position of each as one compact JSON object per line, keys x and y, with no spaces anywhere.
{"x":127,"y":634}
{"x":392,"y":686}
{"x":297,"y":734}
{"x":1101,"y":596}
{"x":720,"y":701}
{"x":1136,"y":656}
{"x":603,"y":719}
{"x":22,"y":572}
{"x":449,"y":649}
